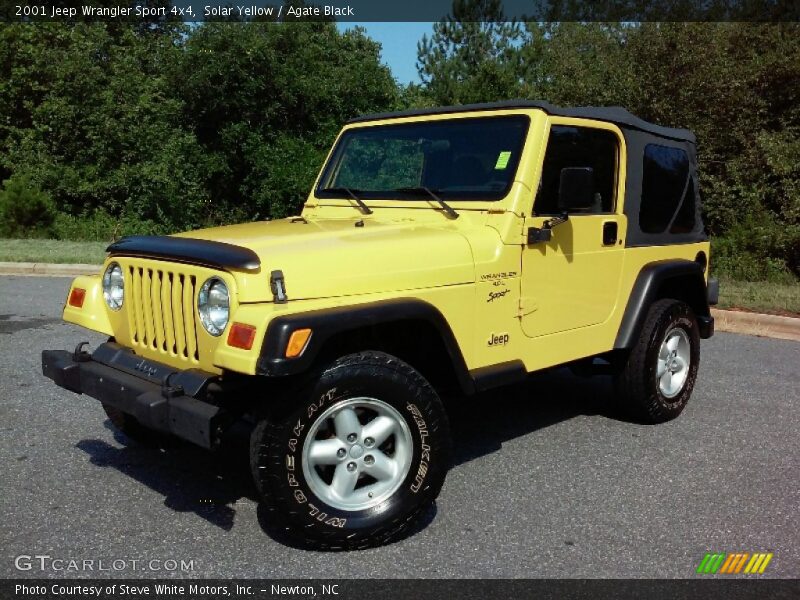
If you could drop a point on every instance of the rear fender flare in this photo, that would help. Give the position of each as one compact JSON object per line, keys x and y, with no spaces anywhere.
{"x":689,"y":278}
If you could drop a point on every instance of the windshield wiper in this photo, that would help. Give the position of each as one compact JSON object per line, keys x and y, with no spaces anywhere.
{"x":352,"y":193}
{"x":423,"y":190}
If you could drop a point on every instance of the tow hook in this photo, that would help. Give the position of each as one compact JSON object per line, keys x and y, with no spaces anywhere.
{"x":170,"y":391}
{"x":80,"y":355}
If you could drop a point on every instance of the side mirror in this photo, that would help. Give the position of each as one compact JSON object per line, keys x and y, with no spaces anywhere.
{"x":576,"y":188}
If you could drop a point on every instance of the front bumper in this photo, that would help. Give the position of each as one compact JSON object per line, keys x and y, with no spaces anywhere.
{"x":159,"y":397}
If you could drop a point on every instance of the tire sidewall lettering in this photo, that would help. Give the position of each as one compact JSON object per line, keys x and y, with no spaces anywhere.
{"x":425,"y":449}
{"x":292,"y":463}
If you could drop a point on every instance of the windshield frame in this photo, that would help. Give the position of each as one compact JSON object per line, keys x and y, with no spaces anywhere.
{"x":477,"y":197}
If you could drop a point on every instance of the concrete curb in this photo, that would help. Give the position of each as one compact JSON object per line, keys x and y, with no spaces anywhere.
{"x":47,"y":269}
{"x":772,"y":326}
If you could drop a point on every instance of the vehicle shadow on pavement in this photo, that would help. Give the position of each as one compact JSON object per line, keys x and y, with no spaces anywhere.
{"x":190,"y":478}
{"x":13,"y":323}
{"x":482,"y":423}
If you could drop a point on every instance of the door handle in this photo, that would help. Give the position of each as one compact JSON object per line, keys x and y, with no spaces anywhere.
{"x":609,"y":233}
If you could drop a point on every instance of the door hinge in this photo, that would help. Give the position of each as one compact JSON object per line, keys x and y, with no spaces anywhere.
{"x":527,"y":305}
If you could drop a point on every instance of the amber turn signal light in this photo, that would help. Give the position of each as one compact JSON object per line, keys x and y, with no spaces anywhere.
{"x":76,"y":297}
{"x":297,"y":342}
{"x":241,"y":336}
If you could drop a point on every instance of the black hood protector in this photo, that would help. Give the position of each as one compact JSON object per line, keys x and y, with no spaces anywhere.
{"x":188,"y":250}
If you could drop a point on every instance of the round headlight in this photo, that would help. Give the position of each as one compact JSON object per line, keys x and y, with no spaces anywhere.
{"x":213,"y":305}
{"x":114,"y":286}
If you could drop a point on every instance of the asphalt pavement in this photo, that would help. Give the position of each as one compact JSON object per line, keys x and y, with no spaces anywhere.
{"x":546,"y":483}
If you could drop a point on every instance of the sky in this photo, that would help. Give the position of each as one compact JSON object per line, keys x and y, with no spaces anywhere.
{"x":399,"y":45}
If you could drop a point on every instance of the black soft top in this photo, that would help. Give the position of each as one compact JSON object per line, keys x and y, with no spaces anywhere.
{"x":612,"y":114}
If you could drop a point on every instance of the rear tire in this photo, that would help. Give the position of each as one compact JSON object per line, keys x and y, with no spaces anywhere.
{"x":358,"y":457}
{"x":657,"y":376}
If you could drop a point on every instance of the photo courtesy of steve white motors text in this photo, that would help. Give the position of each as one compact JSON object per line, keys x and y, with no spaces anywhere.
{"x":159,"y":590}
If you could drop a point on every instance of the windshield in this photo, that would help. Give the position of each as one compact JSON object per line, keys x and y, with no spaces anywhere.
{"x":462,"y":159}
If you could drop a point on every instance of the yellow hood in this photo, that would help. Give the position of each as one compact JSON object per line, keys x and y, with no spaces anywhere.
{"x":332,"y":257}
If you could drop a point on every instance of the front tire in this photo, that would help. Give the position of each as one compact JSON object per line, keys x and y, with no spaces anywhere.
{"x":657,"y":376}
{"x":358,"y":458}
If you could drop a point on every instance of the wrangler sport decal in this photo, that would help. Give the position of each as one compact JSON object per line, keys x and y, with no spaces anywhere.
{"x":495,"y":294}
{"x":499,"y":275}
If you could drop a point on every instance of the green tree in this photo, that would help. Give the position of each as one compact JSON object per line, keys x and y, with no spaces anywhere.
{"x":95,"y":123}
{"x":737,"y":85}
{"x":578,"y":63}
{"x":472,"y":56}
{"x":158,"y":126}
{"x":266,"y":100}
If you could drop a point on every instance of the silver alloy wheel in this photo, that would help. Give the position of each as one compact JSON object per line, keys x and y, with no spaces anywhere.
{"x":357,"y":453}
{"x":674,"y":358}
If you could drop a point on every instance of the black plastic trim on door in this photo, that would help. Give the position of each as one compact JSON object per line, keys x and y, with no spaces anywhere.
{"x":609,"y":233}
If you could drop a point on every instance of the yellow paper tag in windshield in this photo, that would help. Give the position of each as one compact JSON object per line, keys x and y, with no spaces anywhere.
{"x":502,"y":160}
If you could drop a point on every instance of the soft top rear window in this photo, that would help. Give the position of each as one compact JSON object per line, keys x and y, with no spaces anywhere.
{"x":458,"y":159}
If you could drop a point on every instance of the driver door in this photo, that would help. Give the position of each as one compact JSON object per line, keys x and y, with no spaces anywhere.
{"x":572,"y":281}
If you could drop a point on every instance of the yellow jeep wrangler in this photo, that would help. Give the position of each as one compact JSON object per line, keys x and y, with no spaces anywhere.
{"x":457,"y":247}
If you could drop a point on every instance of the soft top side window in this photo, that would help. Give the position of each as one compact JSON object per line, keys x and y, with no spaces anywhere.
{"x":668,"y":191}
{"x":570,"y":146}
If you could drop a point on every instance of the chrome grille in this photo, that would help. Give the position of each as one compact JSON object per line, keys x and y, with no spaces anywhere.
{"x":162,"y":312}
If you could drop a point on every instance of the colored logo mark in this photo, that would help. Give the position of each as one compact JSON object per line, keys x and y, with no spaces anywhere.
{"x":731,"y":563}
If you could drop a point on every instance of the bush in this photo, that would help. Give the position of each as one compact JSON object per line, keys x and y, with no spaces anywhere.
{"x":757,"y":250}
{"x":25,"y":210}
{"x":99,"y":226}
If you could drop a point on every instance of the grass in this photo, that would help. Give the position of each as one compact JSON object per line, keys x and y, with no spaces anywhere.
{"x":760,"y":296}
{"x":52,"y":251}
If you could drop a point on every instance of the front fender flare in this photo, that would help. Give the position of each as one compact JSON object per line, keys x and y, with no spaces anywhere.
{"x":328,"y":322}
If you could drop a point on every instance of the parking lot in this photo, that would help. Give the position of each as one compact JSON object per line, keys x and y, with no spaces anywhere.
{"x":545,"y":484}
